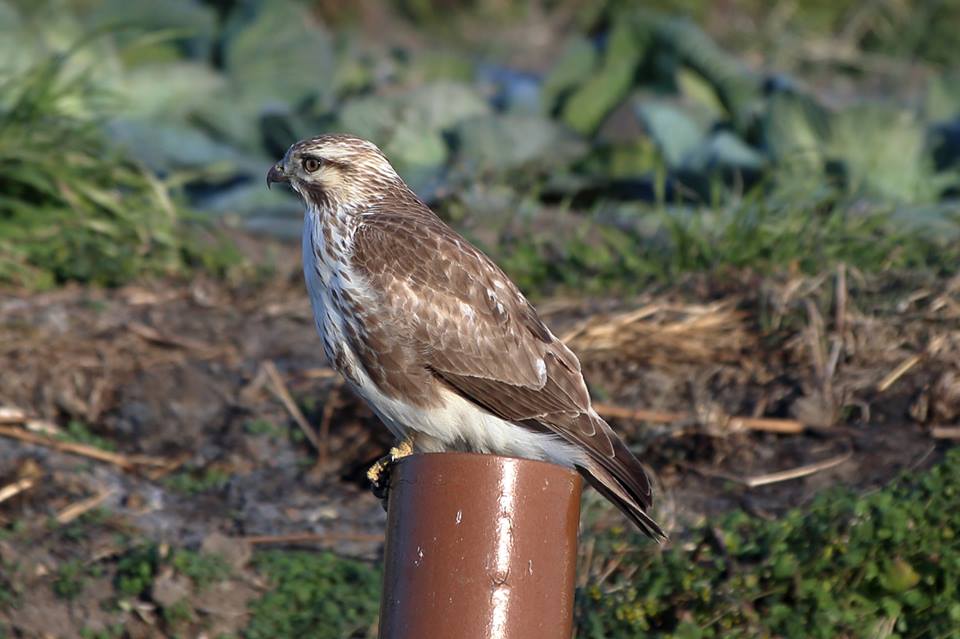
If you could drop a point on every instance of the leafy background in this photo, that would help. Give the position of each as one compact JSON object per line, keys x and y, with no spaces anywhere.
{"x":597,"y":150}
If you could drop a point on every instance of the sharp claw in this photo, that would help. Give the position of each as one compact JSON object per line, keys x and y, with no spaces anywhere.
{"x":379,"y":473}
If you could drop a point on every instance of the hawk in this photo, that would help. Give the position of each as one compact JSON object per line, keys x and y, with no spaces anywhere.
{"x":439,"y":342}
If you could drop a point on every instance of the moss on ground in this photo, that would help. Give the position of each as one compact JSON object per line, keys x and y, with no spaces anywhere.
{"x":314,"y":595}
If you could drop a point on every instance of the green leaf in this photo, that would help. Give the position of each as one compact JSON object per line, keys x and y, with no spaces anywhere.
{"x":943,"y":97}
{"x":899,"y":576}
{"x":574,"y":67}
{"x":883,"y":152}
{"x":795,"y":131}
{"x":282,"y":55}
{"x":598,"y":95}
{"x":507,"y":142}
{"x":676,"y":134}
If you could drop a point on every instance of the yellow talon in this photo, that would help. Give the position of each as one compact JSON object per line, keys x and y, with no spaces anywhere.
{"x":401,"y":450}
{"x":374,"y":472}
{"x":398,"y":452}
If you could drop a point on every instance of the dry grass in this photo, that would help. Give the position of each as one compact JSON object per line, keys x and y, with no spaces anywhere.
{"x":841,"y":339}
{"x":664,"y":333}
{"x":769,"y":382}
{"x":810,"y":350}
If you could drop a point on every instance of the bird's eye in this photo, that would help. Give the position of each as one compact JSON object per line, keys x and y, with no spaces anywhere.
{"x":310,"y":165}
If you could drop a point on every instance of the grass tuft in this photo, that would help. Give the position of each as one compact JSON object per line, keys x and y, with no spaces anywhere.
{"x":73,"y":206}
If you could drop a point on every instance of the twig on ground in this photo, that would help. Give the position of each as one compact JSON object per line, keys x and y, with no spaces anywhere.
{"x":772,"y":478}
{"x":43,"y":427}
{"x":301,"y":538}
{"x":197,"y":348}
{"x":77,"y":509}
{"x":12,"y":415}
{"x":17,"y":487}
{"x":640,"y":414}
{"x":922,"y":458}
{"x":768,"y":424}
{"x":798,"y":472}
{"x":280,"y":390}
{"x":126,"y":462}
{"x":153,"y":474}
{"x":945,"y":432}
{"x":151,"y":334}
{"x":898,"y":372}
{"x":840,"y":317}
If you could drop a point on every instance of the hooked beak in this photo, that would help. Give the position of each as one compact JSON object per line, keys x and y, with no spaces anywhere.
{"x":276,"y":174}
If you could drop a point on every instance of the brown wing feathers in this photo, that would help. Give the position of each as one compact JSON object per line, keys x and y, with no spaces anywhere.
{"x":495,"y":364}
{"x":613,"y":470}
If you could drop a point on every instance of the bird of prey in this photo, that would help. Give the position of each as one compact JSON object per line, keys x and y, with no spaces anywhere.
{"x":439,"y":342}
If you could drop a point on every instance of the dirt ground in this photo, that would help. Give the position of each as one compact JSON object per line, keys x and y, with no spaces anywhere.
{"x":739,"y":390}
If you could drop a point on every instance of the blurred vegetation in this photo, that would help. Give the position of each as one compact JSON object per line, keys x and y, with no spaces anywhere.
{"x":74,"y":205}
{"x":763,"y":231}
{"x":663,"y":149}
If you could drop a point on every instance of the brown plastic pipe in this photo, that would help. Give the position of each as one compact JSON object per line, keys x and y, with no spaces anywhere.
{"x":479,"y":547}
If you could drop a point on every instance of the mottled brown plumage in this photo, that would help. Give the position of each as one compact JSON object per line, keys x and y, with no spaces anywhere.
{"x":434,"y":335}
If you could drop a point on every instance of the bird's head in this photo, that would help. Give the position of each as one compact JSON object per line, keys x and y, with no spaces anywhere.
{"x":335,"y":170}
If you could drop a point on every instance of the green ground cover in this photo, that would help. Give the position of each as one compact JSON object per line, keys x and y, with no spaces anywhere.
{"x":885,"y":564}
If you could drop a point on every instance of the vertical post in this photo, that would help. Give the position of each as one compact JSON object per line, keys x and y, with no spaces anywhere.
{"x":480,"y":547}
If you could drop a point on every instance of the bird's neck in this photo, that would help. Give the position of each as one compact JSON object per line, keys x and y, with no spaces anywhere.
{"x":334,"y":218}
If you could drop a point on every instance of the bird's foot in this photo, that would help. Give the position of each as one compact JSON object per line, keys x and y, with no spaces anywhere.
{"x":378,"y":473}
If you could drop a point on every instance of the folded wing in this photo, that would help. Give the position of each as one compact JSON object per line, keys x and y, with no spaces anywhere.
{"x":475,"y":331}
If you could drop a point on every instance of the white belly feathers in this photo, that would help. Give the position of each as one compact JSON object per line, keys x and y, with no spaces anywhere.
{"x":456,"y":424}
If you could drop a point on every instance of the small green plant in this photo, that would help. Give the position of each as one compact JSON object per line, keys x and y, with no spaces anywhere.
{"x":194,"y":481}
{"x":262,"y":426}
{"x":70,"y":578}
{"x":10,"y":589}
{"x":80,"y":433}
{"x":178,"y":614}
{"x":315,"y":595}
{"x":136,"y":569}
{"x":115,"y":631}
{"x":202,"y":568}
